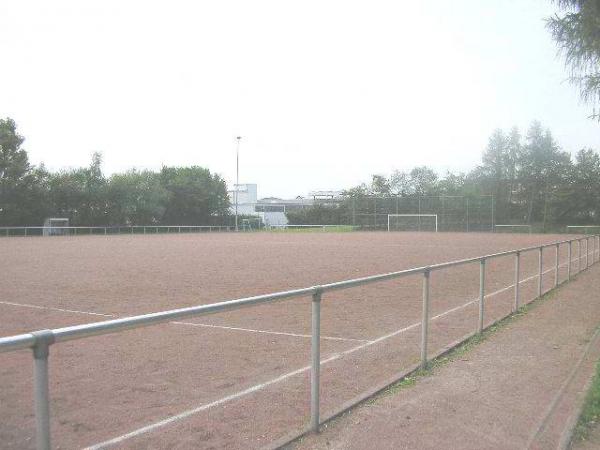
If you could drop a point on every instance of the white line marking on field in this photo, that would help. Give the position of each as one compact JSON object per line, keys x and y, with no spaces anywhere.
{"x":25,"y":305}
{"x":250,"y":330}
{"x":285,"y":376}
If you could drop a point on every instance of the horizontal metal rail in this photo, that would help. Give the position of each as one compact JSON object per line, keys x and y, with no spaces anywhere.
{"x":109,"y":229}
{"x":289,"y":225}
{"x":40,"y":341}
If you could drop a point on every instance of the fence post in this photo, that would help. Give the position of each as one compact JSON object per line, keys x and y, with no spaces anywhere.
{"x":541,"y":254}
{"x":425,"y":318}
{"x":569,"y":260}
{"x":43,"y":340}
{"x":556,"y":266}
{"x":315,"y":371}
{"x":517,"y":281}
{"x":481,"y":293}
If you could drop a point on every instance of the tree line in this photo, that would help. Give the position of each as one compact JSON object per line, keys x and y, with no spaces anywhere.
{"x":171,"y":196}
{"x":532,"y":181}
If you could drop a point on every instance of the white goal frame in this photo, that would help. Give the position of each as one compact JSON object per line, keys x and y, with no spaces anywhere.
{"x":412,"y":215}
{"x":526,"y":226}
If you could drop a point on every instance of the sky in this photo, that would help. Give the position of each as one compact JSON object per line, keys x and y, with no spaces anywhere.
{"x":324,"y":93}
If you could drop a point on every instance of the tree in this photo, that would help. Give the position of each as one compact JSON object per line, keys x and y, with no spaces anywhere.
{"x":542,"y":170}
{"x":494,"y":171}
{"x":17,"y":179}
{"x":513,"y":153}
{"x":452,"y":184}
{"x":136,"y":198}
{"x":580,"y":202}
{"x":423,"y":181}
{"x":80,"y":194}
{"x":194,"y":196}
{"x":380,"y":186}
{"x":400,"y":183}
{"x":577,"y":34}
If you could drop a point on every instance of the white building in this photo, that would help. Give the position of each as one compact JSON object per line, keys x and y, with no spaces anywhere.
{"x":246,"y":199}
{"x":271,"y":209}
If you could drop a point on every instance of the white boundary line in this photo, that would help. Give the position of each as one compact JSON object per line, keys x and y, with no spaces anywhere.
{"x":285,"y":376}
{"x":250,"y":330}
{"x":50,"y":308}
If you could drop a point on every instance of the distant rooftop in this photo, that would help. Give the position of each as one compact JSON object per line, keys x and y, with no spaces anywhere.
{"x":325,"y":194}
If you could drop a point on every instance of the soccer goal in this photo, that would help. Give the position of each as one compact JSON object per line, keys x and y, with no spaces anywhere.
{"x":512,"y":228}
{"x":412,"y":222}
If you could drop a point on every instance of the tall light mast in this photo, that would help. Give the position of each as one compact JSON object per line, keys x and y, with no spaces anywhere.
{"x":237,"y":180}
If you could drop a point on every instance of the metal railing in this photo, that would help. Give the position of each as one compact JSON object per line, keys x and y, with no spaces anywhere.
{"x":124,"y":229}
{"x":41,"y":341}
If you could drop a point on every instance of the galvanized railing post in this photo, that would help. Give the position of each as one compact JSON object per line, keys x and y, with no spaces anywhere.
{"x":587,"y":252}
{"x":481,"y":293}
{"x":579,"y":255}
{"x":425,"y":318}
{"x":569,"y":260}
{"x":540,"y":273}
{"x":41,"y":395}
{"x":517,"y":281}
{"x":315,"y":371}
{"x":556,"y":266}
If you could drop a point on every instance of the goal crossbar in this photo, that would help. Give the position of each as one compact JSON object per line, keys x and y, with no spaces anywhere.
{"x":435,"y":216}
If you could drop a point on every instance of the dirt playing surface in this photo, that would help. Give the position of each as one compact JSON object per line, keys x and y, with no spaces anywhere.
{"x":517,"y":389}
{"x":238,"y":379}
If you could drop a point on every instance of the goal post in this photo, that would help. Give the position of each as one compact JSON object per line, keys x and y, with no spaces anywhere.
{"x":412,"y":222}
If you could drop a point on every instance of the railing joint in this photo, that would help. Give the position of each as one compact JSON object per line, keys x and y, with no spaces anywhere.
{"x":318,"y":292}
{"x":43,"y":340}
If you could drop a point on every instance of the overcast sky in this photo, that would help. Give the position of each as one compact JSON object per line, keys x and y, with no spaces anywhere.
{"x":324,"y":93}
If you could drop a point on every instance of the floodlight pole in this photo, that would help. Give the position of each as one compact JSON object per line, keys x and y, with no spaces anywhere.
{"x":237,"y":180}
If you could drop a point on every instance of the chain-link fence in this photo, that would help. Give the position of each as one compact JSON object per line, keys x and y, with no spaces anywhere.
{"x":454,"y":213}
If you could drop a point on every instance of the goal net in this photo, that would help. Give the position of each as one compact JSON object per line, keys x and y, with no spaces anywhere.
{"x":412,"y":222}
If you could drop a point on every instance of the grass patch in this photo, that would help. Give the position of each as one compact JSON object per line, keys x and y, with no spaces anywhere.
{"x":590,"y":414}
